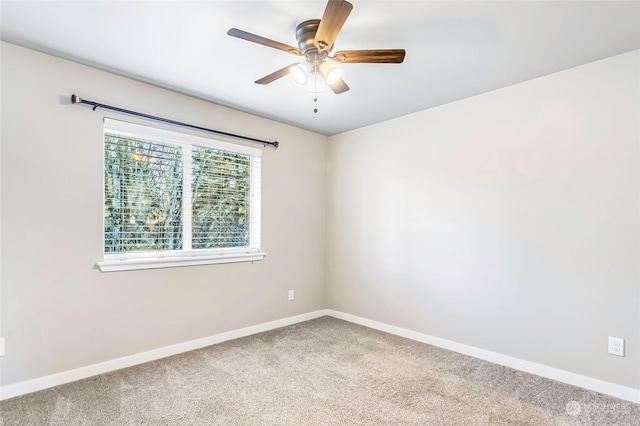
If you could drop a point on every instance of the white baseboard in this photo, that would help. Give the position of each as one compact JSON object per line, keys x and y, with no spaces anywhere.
{"x":21,"y":388}
{"x":28,"y":386}
{"x":618,"y":391}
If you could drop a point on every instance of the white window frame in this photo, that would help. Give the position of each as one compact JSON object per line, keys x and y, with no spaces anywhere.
{"x":187,"y":256}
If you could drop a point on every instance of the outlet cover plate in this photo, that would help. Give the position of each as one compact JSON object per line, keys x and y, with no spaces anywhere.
{"x":616,"y":346}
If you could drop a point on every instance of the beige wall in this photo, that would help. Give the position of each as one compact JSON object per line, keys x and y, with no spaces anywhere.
{"x":506,"y":222}
{"x":58,"y":311}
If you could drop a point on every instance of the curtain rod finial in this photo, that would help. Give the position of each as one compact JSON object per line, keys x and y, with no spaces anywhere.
{"x":75,"y":99}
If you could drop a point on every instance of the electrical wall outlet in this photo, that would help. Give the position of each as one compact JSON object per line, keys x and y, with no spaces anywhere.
{"x":1,"y":346}
{"x":291,"y":295}
{"x":616,"y":346}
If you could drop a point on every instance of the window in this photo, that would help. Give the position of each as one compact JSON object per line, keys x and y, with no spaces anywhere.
{"x":173,"y":199}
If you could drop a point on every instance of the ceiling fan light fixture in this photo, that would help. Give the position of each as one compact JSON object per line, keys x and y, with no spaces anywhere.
{"x":331,"y":73}
{"x":299,"y":73}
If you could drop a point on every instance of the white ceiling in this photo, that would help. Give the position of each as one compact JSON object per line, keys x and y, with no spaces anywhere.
{"x":455,"y":49}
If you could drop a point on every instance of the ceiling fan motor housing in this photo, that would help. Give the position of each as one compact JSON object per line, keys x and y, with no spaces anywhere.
{"x":306,"y":34}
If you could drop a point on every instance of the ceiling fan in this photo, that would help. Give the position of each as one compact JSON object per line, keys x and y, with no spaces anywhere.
{"x":315,"y":42}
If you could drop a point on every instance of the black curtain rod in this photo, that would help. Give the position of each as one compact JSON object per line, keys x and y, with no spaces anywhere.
{"x":78,"y":100}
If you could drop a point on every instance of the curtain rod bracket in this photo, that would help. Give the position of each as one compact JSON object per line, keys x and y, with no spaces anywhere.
{"x":75,"y":99}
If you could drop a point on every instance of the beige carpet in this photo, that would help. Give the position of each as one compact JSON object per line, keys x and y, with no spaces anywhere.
{"x":321,"y":372}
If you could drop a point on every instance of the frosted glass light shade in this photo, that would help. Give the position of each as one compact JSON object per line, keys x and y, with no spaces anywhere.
{"x":299,"y":73}
{"x":315,"y":83}
{"x":331,"y":73}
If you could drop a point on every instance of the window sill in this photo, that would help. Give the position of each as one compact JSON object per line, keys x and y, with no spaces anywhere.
{"x":132,"y":264}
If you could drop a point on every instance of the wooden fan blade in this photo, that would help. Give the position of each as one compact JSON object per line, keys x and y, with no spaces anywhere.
{"x":234,"y":32}
{"x":381,"y":56}
{"x":334,"y":17}
{"x":274,"y":75}
{"x":339,"y":87}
